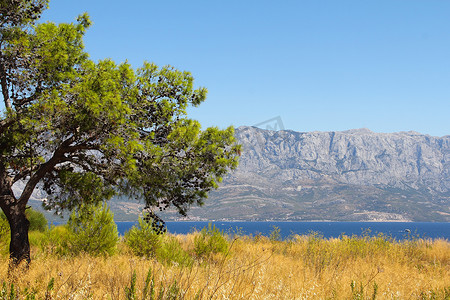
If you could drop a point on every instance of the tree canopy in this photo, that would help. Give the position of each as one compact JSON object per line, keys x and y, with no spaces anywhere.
{"x":84,"y":130}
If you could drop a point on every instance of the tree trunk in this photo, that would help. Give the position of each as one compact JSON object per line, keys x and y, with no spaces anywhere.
{"x":19,"y":247}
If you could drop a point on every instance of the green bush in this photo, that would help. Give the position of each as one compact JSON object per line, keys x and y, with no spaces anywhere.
{"x":143,"y":239}
{"x":210,"y":240}
{"x":37,"y":220}
{"x":171,"y":252}
{"x":91,"y":229}
{"x":146,"y":241}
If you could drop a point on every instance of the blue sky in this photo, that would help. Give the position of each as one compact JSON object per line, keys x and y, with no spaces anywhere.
{"x":318,"y":65}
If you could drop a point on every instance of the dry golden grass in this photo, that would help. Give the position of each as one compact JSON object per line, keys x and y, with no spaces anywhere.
{"x":306,"y":267}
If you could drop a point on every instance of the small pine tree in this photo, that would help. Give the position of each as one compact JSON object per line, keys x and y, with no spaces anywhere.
{"x":143,"y":239}
{"x":210,"y":240}
{"x":92,"y":230}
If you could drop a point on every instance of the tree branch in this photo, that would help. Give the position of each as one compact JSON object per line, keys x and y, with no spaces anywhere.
{"x":58,"y":157}
{"x":4,"y":84}
{"x":39,"y":174}
{"x":22,"y":174}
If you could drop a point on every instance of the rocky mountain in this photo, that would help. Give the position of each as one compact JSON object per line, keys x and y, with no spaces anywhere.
{"x":354,"y":175}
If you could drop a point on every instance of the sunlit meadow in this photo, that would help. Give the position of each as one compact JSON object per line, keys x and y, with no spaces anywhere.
{"x":213,"y":265}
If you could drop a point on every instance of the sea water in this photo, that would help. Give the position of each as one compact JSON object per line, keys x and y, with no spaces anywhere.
{"x":396,"y":230}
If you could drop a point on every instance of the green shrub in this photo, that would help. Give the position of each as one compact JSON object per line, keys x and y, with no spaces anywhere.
{"x":143,"y":239}
{"x":210,"y":240}
{"x":37,"y":220}
{"x":91,"y":229}
{"x":171,"y":252}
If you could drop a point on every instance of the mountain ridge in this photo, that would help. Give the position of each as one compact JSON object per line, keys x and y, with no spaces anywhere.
{"x":352,"y":175}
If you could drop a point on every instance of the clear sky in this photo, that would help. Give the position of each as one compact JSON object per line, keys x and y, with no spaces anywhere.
{"x":318,"y":65}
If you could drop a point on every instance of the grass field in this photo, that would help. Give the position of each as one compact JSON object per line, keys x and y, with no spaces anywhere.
{"x":304,"y":267}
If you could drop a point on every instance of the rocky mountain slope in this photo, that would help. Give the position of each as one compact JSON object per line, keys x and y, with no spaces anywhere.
{"x":352,"y":175}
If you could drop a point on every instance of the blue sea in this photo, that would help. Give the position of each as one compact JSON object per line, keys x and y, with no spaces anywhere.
{"x":396,"y":230}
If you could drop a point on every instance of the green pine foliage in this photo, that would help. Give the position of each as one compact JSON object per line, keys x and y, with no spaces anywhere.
{"x":92,"y":230}
{"x":146,"y":241}
{"x":210,"y":240}
{"x":143,"y":239}
{"x":171,"y":252}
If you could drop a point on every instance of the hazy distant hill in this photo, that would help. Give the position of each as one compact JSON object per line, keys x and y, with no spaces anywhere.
{"x":352,"y":175}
